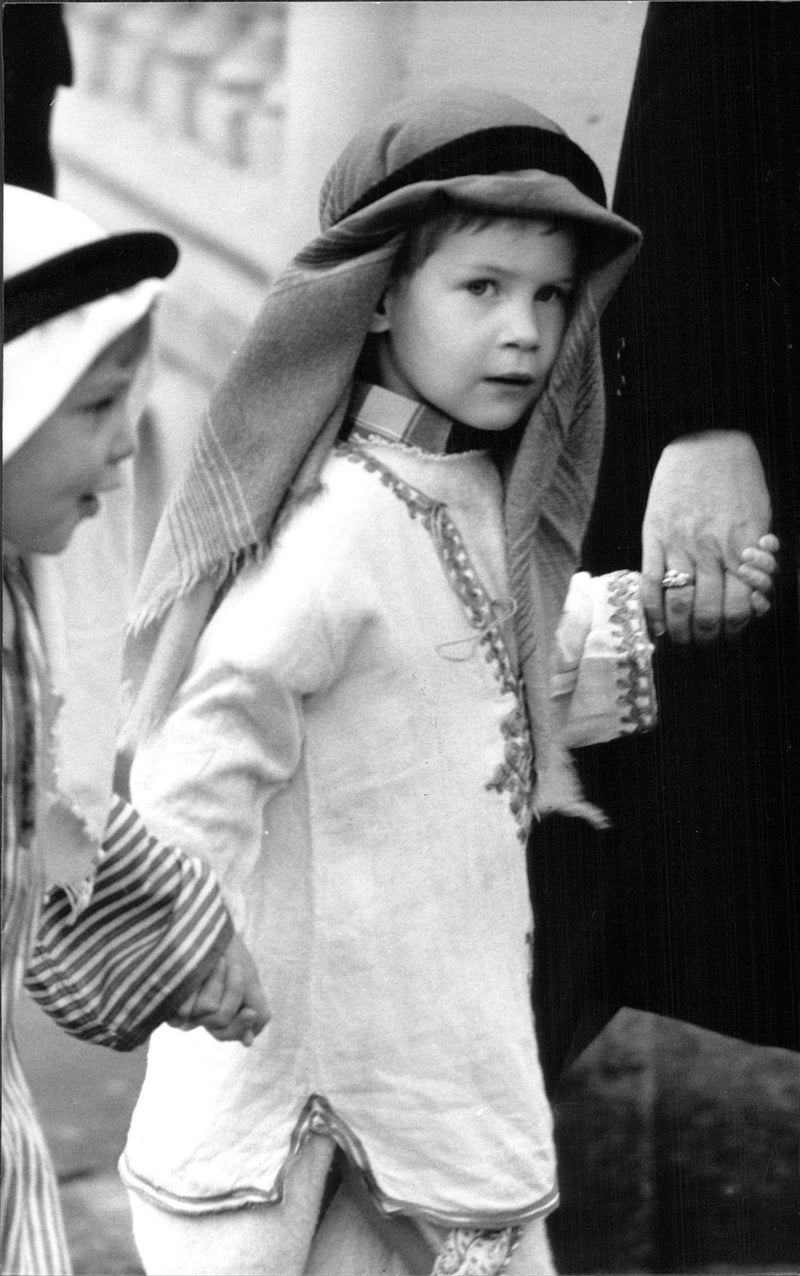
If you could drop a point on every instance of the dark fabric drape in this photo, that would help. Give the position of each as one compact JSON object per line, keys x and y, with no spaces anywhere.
{"x":36,"y":60}
{"x":690,"y":906}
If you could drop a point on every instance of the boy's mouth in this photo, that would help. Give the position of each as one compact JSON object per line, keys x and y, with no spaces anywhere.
{"x":516,"y":379}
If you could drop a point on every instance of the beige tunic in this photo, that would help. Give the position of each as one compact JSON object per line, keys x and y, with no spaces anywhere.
{"x":350,"y":750}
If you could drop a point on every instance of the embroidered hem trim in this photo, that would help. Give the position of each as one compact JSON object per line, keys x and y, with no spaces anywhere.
{"x":477,"y":1252}
{"x":318,"y":1117}
{"x":514,"y":775}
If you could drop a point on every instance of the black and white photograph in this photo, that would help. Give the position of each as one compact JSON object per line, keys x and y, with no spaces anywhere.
{"x":401,"y":638}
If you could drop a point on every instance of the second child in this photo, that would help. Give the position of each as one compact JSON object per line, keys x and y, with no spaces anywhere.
{"x":111,"y":931}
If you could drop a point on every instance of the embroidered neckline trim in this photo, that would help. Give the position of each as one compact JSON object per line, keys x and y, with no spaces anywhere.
{"x":515,"y":774}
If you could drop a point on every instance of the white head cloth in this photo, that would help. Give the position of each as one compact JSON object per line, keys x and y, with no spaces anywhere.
{"x":43,"y":364}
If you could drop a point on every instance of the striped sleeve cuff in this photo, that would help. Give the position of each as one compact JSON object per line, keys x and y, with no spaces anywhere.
{"x":151,"y":933}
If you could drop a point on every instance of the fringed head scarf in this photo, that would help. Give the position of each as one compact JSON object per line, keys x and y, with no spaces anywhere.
{"x":274,"y":419}
{"x":70,"y":289}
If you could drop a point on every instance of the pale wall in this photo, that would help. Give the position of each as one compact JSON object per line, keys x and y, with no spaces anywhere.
{"x":572,"y":59}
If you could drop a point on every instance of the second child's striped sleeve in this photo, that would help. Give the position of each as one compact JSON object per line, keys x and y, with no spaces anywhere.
{"x":151,"y":933}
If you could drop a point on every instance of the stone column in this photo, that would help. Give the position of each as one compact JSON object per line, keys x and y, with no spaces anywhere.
{"x":344,"y":62}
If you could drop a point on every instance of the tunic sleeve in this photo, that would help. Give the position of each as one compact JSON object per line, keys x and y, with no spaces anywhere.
{"x":152,"y":930}
{"x":234,"y":736}
{"x":603,"y":685}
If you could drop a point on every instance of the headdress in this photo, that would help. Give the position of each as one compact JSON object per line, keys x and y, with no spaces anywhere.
{"x":274,"y":418}
{"x":57,"y":265}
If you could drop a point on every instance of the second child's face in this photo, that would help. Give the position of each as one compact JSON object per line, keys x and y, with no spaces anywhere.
{"x":57,"y":477}
{"x":475,"y":330}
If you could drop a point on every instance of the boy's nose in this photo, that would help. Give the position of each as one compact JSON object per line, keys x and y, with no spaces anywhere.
{"x":521,"y":327}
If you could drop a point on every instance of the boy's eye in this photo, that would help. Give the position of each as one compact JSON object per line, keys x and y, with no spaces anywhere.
{"x":553,"y":292}
{"x":106,"y":400}
{"x":480,"y":287}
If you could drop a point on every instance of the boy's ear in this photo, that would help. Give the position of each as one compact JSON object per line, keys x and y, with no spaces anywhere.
{"x":380,"y":321}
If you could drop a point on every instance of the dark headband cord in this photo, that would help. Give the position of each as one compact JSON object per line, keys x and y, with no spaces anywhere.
{"x":513,"y":148}
{"x":83,"y":275}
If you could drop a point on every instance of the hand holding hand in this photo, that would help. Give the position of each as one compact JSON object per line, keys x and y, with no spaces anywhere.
{"x":230,"y":1004}
{"x":757,"y":568}
{"x":708,"y":507}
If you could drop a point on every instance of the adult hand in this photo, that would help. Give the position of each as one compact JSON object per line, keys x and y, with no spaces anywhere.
{"x":708,"y":501}
{"x":230,"y":1004}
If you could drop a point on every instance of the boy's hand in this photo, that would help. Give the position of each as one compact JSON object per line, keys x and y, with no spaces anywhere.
{"x":757,"y":567}
{"x":230,"y":1004}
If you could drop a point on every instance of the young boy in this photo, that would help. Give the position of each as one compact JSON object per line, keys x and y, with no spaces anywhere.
{"x":132,"y":933}
{"x":356,"y":738}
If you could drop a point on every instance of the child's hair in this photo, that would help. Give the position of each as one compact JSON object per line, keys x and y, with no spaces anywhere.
{"x":449,"y":216}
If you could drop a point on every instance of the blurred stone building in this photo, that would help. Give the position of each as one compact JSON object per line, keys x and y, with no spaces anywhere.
{"x":217,"y":122}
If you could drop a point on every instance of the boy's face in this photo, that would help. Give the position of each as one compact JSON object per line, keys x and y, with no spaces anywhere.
{"x":57,"y":476}
{"x":476,"y":328}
